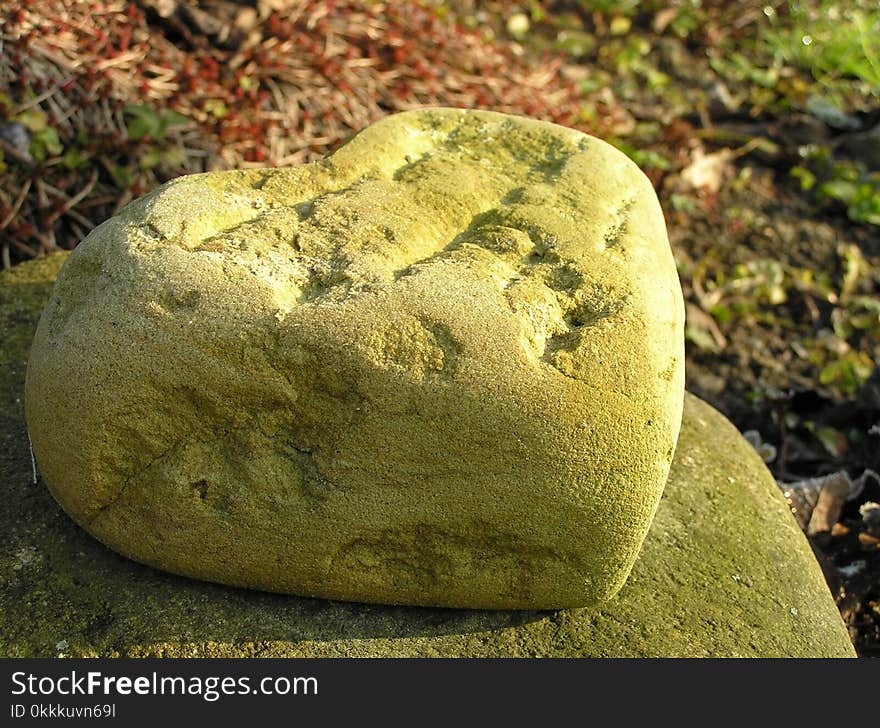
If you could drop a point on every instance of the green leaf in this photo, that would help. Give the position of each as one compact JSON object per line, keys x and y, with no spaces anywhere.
{"x":216,"y":108}
{"x":868,"y":302}
{"x":864,"y":321}
{"x":150,"y":158}
{"x":682,"y":203}
{"x":722,"y":314}
{"x":642,"y":157}
{"x":805,"y":176}
{"x":123,"y":176}
{"x":839,"y":189}
{"x":173,"y":156}
{"x":171,"y":119}
{"x":33,"y":119}
{"x":575,"y":43}
{"x":854,"y":268}
{"x":45,"y":143}
{"x":848,"y":373}
{"x":831,"y":372}
{"x":75,"y":159}
{"x":648,"y":158}
{"x":143,"y":122}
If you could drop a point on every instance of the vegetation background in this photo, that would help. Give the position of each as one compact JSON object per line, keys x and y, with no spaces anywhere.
{"x":757,"y":122}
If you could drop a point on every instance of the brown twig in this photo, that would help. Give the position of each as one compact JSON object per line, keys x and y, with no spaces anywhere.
{"x":73,"y":201}
{"x":16,"y":206}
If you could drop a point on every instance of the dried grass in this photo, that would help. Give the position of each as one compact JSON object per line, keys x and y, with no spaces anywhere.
{"x":279,"y":83}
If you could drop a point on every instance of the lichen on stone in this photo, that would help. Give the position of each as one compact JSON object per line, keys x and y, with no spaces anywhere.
{"x":462,"y":329}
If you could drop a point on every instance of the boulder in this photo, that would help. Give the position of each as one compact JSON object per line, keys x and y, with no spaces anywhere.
{"x":724,"y":571}
{"x":443,"y":367}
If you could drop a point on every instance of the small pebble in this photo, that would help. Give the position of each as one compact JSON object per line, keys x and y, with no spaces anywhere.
{"x":16,"y":135}
{"x":852,"y":569}
{"x":870,"y":513}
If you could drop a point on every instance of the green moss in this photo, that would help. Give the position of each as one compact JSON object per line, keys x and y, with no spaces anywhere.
{"x":724,"y":570}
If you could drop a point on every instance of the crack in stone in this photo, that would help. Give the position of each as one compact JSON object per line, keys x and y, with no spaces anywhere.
{"x":104,"y":507}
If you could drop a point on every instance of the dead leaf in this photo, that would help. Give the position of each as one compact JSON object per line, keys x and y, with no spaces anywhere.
{"x":663,"y":18}
{"x":829,"y":506}
{"x":817,"y":502}
{"x":708,"y":172}
{"x":766,"y":450}
{"x":703,"y":330}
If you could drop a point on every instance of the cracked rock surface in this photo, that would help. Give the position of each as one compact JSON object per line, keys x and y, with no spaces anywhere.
{"x":443,"y":366}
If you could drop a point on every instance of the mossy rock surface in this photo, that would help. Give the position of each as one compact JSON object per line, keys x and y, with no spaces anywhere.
{"x":443,"y":366}
{"x":724,"y":571}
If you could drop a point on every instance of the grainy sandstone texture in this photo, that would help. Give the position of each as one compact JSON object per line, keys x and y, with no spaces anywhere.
{"x":444,"y":367}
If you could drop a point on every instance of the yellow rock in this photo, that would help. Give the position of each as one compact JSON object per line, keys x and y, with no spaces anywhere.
{"x":443,"y":366}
